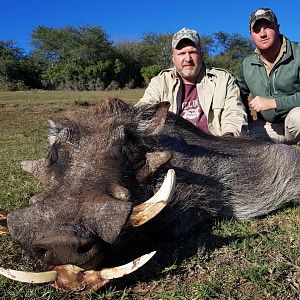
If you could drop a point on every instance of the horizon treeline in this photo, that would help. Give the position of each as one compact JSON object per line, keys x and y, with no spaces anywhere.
{"x":84,"y":58}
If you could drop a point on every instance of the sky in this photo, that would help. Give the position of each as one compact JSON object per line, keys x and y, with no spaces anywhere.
{"x":128,"y":20}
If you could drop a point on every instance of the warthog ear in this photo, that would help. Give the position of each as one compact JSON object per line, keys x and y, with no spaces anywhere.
{"x":54,"y":130}
{"x":62,"y":132}
{"x":36,"y":168}
{"x":106,"y":216}
{"x":154,"y":118}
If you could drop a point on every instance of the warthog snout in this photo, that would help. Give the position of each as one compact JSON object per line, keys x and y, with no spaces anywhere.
{"x":67,"y":249}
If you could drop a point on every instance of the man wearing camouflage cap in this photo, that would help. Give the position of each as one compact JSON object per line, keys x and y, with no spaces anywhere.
{"x":271,"y":77}
{"x":208,"y":98}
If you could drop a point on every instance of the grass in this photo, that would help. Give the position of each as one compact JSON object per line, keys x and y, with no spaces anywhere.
{"x":256,"y":259}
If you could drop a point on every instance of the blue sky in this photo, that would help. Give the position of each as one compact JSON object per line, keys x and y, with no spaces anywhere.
{"x":128,"y":20}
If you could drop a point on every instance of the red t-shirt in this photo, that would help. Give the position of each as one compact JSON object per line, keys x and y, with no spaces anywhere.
{"x":191,"y":109}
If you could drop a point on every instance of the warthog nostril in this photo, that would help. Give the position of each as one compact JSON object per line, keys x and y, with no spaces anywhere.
{"x":63,"y":249}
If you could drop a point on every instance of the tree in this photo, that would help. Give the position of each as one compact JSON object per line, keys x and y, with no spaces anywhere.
{"x":149,"y":72}
{"x":228,"y":50}
{"x":10,"y":66}
{"x":145,"y":58}
{"x":157,"y":49}
{"x":83,"y":57}
{"x":131,"y":53}
{"x":69,"y":51}
{"x":85,"y":44}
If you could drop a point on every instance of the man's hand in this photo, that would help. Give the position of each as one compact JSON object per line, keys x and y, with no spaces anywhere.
{"x":261,"y":103}
{"x":228,"y":134}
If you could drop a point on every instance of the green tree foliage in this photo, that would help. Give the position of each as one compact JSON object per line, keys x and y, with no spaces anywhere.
{"x":149,"y":72}
{"x":10,"y":66}
{"x":68,"y":75}
{"x":84,"y":44}
{"x":133,"y":55}
{"x":83,"y":58}
{"x":228,"y":51}
{"x":206,"y":46}
{"x":157,"y":49}
{"x":76,"y":57}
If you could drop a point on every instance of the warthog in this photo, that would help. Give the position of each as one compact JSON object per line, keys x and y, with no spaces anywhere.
{"x":104,"y":164}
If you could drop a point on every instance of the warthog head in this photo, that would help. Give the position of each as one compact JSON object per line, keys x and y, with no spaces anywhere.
{"x":93,"y":179}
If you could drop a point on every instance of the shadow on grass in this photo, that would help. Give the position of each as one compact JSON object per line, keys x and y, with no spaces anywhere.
{"x":171,"y":251}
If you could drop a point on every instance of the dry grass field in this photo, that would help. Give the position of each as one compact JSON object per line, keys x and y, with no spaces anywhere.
{"x":256,"y":259}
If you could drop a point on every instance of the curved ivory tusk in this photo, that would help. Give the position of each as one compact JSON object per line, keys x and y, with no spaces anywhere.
{"x":73,"y":278}
{"x":146,"y":211}
{"x":29,"y":277}
{"x":3,"y":223}
{"x":66,"y":276}
{"x":3,"y":230}
{"x":120,"y":271}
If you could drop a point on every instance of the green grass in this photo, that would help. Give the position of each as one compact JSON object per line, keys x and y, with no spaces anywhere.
{"x":256,"y":259}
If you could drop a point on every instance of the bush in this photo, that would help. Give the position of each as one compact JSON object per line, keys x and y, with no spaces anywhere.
{"x":149,"y":72}
{"x":113,"y":86}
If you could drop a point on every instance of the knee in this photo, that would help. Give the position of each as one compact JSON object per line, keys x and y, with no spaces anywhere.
{"x":293,"y":118}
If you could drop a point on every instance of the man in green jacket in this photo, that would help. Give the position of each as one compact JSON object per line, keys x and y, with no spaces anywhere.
{"x":272,"y":77}
{"x":208,"y":98}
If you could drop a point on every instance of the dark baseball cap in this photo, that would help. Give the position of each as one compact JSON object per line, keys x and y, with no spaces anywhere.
{"x":185,"y":33}
{"x":263,"y":13}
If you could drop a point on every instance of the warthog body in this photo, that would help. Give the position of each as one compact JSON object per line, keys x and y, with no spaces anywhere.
{"x":114,"y":157}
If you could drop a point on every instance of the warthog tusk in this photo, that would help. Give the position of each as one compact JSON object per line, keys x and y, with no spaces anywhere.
{"x":70,"y":277}
{"x":120,"y":271}
{"x":29,"y":277}
{"x":146,"y":211}
{"x":3,"y":223}
{"x":73,"y":278}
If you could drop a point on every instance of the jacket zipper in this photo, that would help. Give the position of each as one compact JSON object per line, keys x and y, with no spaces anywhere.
{"x":273,"y":81}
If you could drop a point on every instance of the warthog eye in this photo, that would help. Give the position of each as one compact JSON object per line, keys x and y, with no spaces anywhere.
{"x":85,"y":248}
{"x":40,"y":251}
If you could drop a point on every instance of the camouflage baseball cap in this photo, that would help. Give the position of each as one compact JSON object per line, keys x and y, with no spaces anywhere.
{"x":263,"y":13}
{"x":185,"y":33}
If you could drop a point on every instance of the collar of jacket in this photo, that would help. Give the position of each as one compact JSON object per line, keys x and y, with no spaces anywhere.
{"x":255,"y":60}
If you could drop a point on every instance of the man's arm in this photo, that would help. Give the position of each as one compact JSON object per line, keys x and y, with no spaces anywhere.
{"x":287,"y":101}
{"x":244,"y":92}
{"x":234,"y":117}
{"x":152,"y":93}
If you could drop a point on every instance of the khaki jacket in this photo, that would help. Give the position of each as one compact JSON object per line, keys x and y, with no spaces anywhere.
{"x":219,"y":98}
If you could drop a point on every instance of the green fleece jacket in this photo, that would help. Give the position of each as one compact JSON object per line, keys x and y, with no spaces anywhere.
{"x":282,"y":84}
